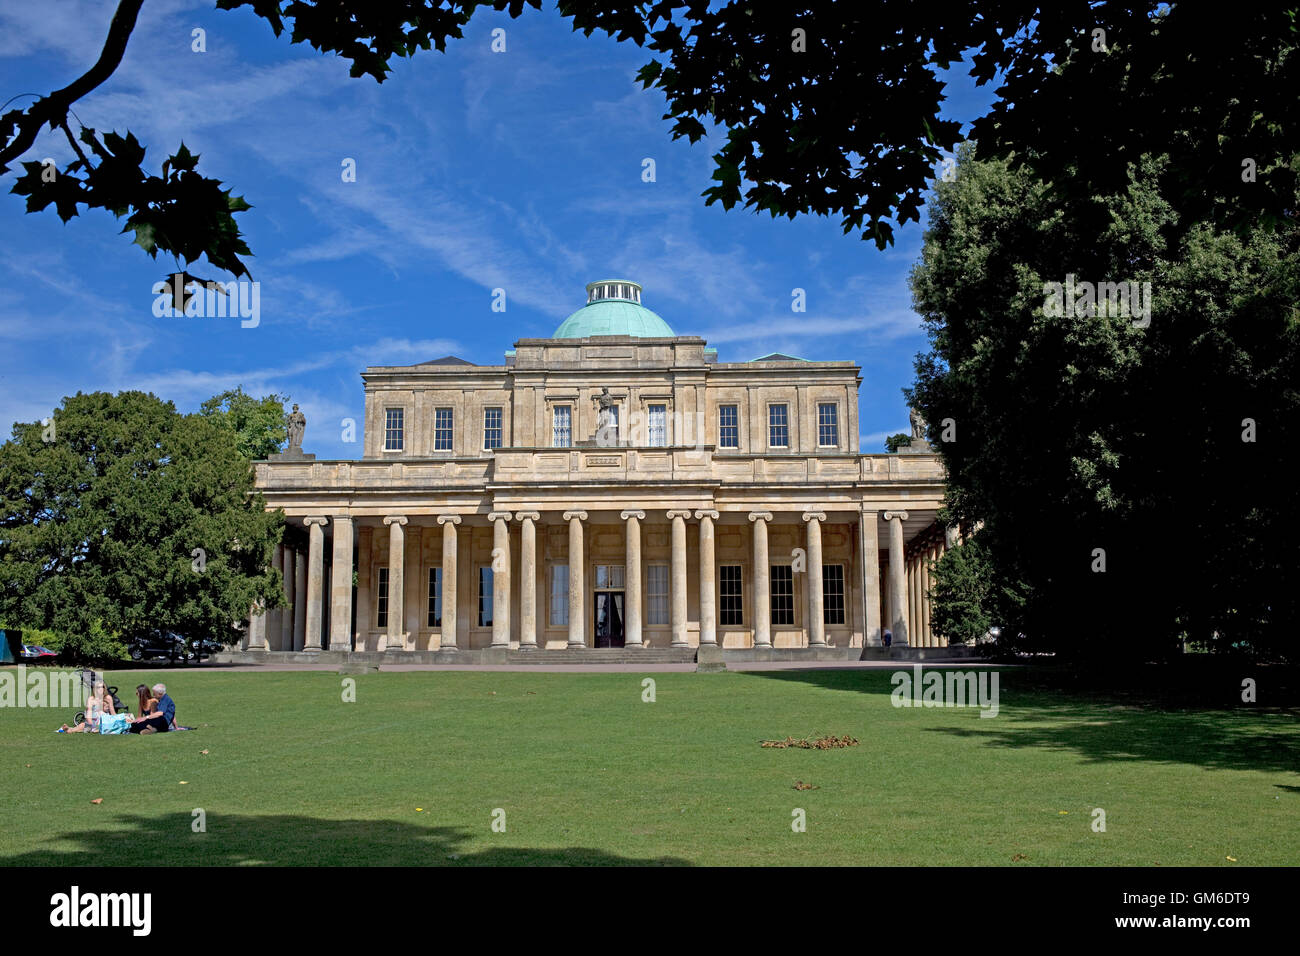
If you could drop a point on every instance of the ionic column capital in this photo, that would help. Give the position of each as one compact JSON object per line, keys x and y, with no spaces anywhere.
{"x":706,"y":513}
{"x":814,"y":516}
{"x":892,"y":515}
{"x":528,"y":516}
{"x":499,"y":516}
{"x":678,"y":514}
{"x":395,"y":519}
{"x":316,"y":519}
{"x":580,"y":515}
{"x":448,"y":519}
{"x":638,"y":515}
{"x":760,"y":516}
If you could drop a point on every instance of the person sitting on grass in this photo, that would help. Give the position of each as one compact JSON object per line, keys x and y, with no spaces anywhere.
{"x":162,"y":719}
{"x":148,"y":703}
{"x":99,"y":702}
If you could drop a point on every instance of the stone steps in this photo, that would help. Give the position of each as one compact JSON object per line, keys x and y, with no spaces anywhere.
{"x":605,"y":655}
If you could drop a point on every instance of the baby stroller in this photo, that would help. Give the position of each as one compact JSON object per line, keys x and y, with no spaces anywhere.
{"x":88,"y":678}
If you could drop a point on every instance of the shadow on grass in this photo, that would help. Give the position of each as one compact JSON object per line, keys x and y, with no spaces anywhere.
{"x":245,"y":840}
{"x":1041,"y":708}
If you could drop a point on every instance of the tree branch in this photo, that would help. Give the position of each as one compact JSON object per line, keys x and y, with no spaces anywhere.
{"x":54,"y":108}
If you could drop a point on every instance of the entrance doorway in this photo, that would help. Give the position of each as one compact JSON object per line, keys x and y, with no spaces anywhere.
{"x":609,"y":618}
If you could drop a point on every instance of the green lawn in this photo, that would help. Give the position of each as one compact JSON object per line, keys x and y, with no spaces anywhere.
{"x":586,"y":772}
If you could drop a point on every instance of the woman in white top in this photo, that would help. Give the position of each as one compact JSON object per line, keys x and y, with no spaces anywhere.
{"x":97,"y":705}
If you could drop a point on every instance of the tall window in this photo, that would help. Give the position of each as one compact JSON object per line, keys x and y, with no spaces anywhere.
{"x":381,"y":605}
{"x":778,"y":426}
{"x":729,"y":597}
{"x":657,"y":436}
{"x":559,"y":595}
{"x":656,"y":594}
{"x":833,"y":593}
{"x":484,"y":597}
{"x":561,"y":426}
{"x":442,"y":429}
{"x":491,"y":428}
{"x":393,"y":429}
{"x":728,"y":426}
{"x":435,"y":597}
{"x":828,"y":424}
{"x":782,"y":594}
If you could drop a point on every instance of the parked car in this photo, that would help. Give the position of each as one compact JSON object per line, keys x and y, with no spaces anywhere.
{"x":36,"y":654}
{"x":158,"y":644}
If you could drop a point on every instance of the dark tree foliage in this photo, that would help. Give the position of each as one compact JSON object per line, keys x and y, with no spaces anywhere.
{"x":1087,"y":441}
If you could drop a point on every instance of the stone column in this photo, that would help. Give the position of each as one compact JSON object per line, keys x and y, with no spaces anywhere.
{"x":275,"y":615}
{"x":392,"y":639}
{"x":256,"y":638}
{"x":299,"y":599}
{"x":528,"y":579}
{"x":678,"y":572}
{"x":365,"y":606}
{"x":315,"y":582}
{"x":708,"y":579}
{"x":816,"y":600}
{"x":897,"y":576}
{"x":341,"y":586}
{"x":632,"y":579}
{"x":414,"y":601}
{"x":870,"y":580}
{"x":448,"y":638}
{"x":577,"y":590}
{"x":500,"y":578}
{"x":762,"y":581}
{"x":286,"y":617}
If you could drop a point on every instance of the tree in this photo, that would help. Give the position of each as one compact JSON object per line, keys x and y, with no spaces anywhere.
{"x":897,"y":441}
{"x":258,"y":424}
{"x":125,"y":513}
{"x":1127,"y":471}
{"x":829,"y":108}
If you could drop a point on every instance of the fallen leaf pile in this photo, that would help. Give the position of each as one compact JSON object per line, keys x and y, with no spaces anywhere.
{"x":827,"y":742}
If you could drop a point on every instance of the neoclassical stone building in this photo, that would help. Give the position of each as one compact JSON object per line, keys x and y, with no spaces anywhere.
{"x":615,"y":485}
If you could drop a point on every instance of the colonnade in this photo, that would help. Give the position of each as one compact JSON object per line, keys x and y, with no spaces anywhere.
{"x":301,"y":624}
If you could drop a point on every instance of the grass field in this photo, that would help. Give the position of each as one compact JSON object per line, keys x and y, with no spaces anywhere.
{"x":587,"y":773}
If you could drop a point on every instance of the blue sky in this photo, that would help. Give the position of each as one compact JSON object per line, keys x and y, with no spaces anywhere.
{"x":475,"y":170}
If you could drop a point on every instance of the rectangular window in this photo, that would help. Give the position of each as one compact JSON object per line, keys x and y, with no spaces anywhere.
{"x":393,"y":429}
{"x":381,"y":605}
{"x":833,"y":593}
{"x":491,"y":428}
{"x":484,"y":597}
{"x":656,"y":597}
{"x":609,"y":576}
{"x":657,"y":433}
{"x":828,"y":424}
{"x":783,"y":595}
{"x":561,"y":426}
{"x":559,"y":595}
{"x":435,"y":597}
{"x":442,"y":429}
{"x":778,"y":426}
{"x":728,"y":426}
{"x":730,"y":606}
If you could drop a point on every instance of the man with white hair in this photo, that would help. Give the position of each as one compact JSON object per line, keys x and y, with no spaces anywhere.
{"x":164,"y":715}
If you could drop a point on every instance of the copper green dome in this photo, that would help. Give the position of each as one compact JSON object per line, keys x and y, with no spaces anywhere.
{"x":613,"y":308}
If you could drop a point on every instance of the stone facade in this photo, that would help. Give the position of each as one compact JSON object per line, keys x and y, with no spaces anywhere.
{"x":477,"y":519}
